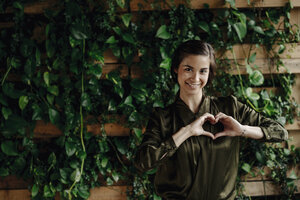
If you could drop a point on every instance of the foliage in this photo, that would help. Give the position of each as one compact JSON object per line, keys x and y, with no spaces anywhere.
{"x":57,"y":75}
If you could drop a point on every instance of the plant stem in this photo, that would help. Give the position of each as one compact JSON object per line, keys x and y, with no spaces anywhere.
{"x":5,"y":75}
{"x":81,"y":123}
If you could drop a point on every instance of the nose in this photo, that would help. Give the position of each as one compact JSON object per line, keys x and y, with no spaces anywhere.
{"x":196,"y":76}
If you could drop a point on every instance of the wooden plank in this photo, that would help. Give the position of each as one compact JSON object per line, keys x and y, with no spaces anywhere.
{"x":294,"y":136}
{"x":15,"y":195}
{"x":109,"y":193}
{"x":40,"y":6}
{"x":254,"y":188}
{"x":242,"y":51}
{"x":295,"y":16}
{"x":103,"y":193}
{"x":136,"y":5}
{"x":264,"y":188}
{"x":266,"y":67}
{"x":13,"y":182}
{"x":35,"y":7}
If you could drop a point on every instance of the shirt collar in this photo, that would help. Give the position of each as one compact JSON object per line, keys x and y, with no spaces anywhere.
{"x":186,"y":114}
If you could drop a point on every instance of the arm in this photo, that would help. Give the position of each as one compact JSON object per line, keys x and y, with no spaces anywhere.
{"x":251,"y":124}
{"x":154,"y":150}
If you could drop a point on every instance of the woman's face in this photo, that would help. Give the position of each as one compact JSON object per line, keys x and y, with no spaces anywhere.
{"x":192,"y":74}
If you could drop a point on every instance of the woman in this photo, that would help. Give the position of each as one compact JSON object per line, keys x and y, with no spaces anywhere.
{"x":194,"y":143}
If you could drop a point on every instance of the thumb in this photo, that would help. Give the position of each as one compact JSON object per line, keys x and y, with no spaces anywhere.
{"x":206,"y":133}
{"x":221,"y":134}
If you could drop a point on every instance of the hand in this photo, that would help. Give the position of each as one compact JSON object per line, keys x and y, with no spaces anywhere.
{"x":231,"y":126}
{"x":196,"y":127}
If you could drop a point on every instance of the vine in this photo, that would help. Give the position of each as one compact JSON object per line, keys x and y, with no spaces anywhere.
{"x":53,"y":64}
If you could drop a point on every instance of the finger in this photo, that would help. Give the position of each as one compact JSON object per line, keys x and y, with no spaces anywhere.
{"x":210,"y":118}
{"x":206,"y":133}
{"x":222,"y":117}
{"x":221,"y":134}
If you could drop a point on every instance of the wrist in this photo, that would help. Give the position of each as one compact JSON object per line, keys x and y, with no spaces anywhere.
{"x":243,"y":131}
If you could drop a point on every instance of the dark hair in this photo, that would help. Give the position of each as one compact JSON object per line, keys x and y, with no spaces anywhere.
{"x":193,"y":47}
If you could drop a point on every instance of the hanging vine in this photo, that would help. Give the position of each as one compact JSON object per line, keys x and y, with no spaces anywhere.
{"x":53,"y":68}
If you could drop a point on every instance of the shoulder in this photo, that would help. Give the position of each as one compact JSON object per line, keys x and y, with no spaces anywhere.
{"x":159,"y":112}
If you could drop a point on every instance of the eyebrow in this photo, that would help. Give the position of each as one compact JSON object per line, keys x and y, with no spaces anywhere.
{"x":193,"y":67}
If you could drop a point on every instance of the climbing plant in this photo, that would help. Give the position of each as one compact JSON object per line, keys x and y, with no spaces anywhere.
{"x":53,"y":70}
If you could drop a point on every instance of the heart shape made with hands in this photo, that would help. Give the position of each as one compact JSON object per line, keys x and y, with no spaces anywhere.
{"x":223,"y":124}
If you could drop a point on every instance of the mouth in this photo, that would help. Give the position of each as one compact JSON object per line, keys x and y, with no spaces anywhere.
{"x":193,"y":85}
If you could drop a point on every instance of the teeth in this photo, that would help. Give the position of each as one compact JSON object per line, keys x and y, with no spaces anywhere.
{"x":193,"y":85}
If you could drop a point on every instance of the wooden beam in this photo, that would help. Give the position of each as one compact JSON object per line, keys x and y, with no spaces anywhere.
{"x":109,"y":193}
{"x":15,"y":194}
{"x":136,"y":5}
{"x":265,"y":66}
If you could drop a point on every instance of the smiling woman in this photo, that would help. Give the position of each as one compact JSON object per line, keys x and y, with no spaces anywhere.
{"x":194,"y":143}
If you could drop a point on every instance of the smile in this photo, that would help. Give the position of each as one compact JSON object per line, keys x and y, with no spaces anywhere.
{"x":193,"y":85}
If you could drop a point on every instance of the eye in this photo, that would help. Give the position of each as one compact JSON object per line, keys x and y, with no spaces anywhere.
{"x":204,"y":71}
{"x":188,"y":69}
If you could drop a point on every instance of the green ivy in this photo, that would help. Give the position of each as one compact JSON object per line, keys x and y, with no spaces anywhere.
{"x":60,"y":79}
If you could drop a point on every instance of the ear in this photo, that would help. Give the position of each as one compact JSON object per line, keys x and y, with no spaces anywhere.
{"x":176,"y":70}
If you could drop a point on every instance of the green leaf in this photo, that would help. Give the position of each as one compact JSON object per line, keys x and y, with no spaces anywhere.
{"x":252,"y":95}
{"x":256,"y":78}
{"x":121,"y":3}
{"x":166,"y":64}
{"x":6,"y":112}
{"x":293,"y":175}
{"x":259,"y":157}
{"x":241,"y":30}
{"x":111,"y":40}
{"x":34,"y":190}
{"x":126,"y":19}
{"x":109,"y":181}
{"x":3,"y":100}
{"x":104,"y":162}
{"x":84,"y":191}
{"x":53,"y":89}
{"x":50,"y":98}
{"x":47,"y":78}
{"x":23,"y":101}
{"x":50,"y":49}
{"x":54,"y":116}
{"x":246,"y":167}
{"x":76,"y":176}
{"x":70,"y":148}
{"x":117,"y":30}
{"x":249,"y":69}
{"x":259,"y":30}
{"x":115,"y":176}
{"x":18,"y":5}
{"x":138,"y":132}
{"x":163,"y":33}
{"x":78,"y":34}
{"x":9,"y":148}
{"x":231,"y":2}
{"x":86,"y":101}
{"x":52,"y":159}
{"x":4,"y":172}
{"x":96,"y":70}
{"x":252,"y":58}
{"x":128,"y":38}
{"x":49,"y":191}
{"x":281,"y":49}
{"x":19,"y":164}
{"x":204,"y":26}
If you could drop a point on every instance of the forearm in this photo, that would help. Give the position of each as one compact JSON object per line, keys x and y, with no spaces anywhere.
{"x":253,"y":132}
{"x":183,"y":134}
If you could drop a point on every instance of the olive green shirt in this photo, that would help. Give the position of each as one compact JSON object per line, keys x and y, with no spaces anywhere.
{"x":200,"y":168}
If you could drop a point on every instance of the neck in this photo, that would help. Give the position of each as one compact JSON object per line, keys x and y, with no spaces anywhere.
{"x":192,"y":101}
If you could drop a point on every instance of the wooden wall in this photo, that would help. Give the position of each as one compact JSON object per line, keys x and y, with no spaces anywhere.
{"x":12,"y":188}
